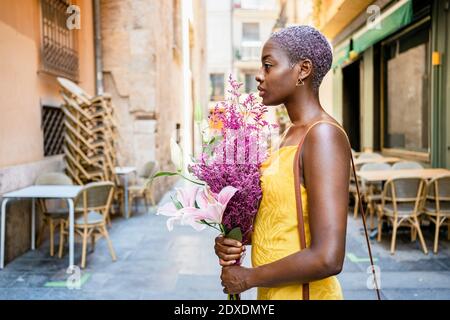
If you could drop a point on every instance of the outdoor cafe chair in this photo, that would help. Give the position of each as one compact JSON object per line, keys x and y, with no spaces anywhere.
{"x":401,"y":205}
{"x":95,"y":200}
{"x":436,"y":205}
{"x":54,"y":211}
{"x":401,"y":165}
{"x":370,"y":193}
{"x":143,"y":188}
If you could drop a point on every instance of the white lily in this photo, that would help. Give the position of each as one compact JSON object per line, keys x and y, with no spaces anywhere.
{"x":176,"y":155}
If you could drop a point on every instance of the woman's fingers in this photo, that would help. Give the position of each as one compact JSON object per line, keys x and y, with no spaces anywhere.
{"x":227,"y":241}
{"x":224,"y":263}
{"x":227,"y":256}
{"x":229,"y":260}
{"x":228,"y":249}
{"x":231,"y":242}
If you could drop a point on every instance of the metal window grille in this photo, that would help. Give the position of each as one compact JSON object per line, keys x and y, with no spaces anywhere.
{"x":59,"y":52}
{"x":53,"y":127}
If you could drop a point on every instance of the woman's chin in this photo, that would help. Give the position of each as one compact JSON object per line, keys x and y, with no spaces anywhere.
{"x":265,"y":101}
{"x":268,"y":102}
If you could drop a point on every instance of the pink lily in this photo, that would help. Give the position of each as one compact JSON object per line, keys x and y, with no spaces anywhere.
{"x":212,"y":205}
{"x":191,"y":206}
{"x":185,"y":199}
{"x":169,"y":209}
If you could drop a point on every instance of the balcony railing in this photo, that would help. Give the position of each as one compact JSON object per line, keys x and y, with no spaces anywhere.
{"x":249,"y":51}
{"x":255,"y":4}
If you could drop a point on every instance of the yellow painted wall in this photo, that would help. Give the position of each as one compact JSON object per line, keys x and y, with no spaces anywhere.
{"x":335,"y":15}
{"x":23,"y":86}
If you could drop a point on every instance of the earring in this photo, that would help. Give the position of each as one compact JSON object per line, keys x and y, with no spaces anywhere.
{"x":299,"y":82}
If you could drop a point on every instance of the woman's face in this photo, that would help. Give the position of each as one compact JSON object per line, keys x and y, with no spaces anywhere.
{"x":277,"y":79}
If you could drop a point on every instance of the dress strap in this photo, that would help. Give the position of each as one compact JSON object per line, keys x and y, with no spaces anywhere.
{"x":323,"y":121}
{"x":298,"y":198}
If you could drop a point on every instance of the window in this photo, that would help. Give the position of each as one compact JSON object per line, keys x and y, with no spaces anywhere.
{"x":59,"y":52}
{"x":250,"y":31}
{"x":250,"y":83}
{"x":217,"y":86}
{"x":53,"y":127}
{"x":406,"y":85}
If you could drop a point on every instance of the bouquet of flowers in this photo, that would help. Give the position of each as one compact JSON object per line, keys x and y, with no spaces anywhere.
{"x":225,"y":189}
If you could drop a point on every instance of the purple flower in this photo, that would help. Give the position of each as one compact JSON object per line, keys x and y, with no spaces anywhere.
{"x":235,"y":159}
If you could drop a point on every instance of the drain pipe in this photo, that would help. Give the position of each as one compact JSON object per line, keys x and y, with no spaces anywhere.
{"x":98,"y":49}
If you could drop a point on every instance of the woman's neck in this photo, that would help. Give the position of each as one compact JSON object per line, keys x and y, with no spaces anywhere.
{"x":304,"y":107}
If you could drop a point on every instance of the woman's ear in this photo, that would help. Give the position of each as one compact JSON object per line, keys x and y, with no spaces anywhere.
{"x":304,"y":69}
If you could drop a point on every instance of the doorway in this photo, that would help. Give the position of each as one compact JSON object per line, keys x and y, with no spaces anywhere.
{"x":351,"y":103}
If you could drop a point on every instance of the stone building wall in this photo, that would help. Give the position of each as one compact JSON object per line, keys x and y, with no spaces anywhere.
{"x":142,"y":65}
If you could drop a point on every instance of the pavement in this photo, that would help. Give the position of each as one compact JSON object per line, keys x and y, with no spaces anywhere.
{"x":154,"y":263}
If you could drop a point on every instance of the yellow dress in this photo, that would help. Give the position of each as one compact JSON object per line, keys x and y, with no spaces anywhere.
{"x":276,"y":235}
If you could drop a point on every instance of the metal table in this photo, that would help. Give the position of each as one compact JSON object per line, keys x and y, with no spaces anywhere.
{"x":43,"y":192}
{"x":384,"y":175}
{"x":125,"y":171}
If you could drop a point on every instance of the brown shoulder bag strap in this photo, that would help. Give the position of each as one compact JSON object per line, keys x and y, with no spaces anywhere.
{"x":298,"y":198}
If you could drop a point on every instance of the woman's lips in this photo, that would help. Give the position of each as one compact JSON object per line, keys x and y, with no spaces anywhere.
{"x":262,"y":92}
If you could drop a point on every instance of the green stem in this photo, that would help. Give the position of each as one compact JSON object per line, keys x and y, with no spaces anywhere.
{"x":199,"y":183}
{"x":211,"y":225}
{"x":222,"y":229}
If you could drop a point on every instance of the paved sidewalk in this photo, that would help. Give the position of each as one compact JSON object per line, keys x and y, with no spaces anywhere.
{"x":409,"y":274}
{"x":156,"y":264}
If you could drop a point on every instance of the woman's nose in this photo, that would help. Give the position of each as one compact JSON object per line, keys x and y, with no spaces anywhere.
{"x":259,"y":77}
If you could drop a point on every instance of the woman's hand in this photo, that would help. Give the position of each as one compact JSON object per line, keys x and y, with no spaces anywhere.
{"x":228,"y":250}
{"x":236,"y":279}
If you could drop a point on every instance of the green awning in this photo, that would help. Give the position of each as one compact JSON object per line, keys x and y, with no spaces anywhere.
{"x":341,"y":55}
{"x":393,"y":19}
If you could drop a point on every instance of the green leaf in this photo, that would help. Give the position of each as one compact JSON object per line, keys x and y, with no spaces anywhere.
{"x":212,"y":140}
{"x":164,"y":174}
{"x":235,"y":234}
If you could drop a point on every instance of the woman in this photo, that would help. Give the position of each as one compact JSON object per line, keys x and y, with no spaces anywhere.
{"x":294,"y":62}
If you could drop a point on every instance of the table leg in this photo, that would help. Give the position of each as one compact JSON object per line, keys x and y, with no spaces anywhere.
{"x":126,"y":196}
{"x":71,"y":232}
{"x":33,"y":224}
{"x":3,"y":229}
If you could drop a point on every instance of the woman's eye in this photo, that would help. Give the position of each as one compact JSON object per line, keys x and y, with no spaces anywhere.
{"x":267,"y":65}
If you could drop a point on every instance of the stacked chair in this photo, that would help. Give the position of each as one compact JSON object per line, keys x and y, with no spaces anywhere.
{"x":90,"y":135}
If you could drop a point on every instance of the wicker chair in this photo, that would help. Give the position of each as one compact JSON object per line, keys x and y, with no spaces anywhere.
{"x":91,"y":134}
{"x":54,"y":212}
{"x":369,"y":193}
{"x":436,"y":205}
{"x":139,"y":188}
{"x":406,"y":165}
{"x":95,"y":200}
{"x":401,"y":205}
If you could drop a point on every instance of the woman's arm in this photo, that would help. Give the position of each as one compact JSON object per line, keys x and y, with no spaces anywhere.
{"x":326,"y":162}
